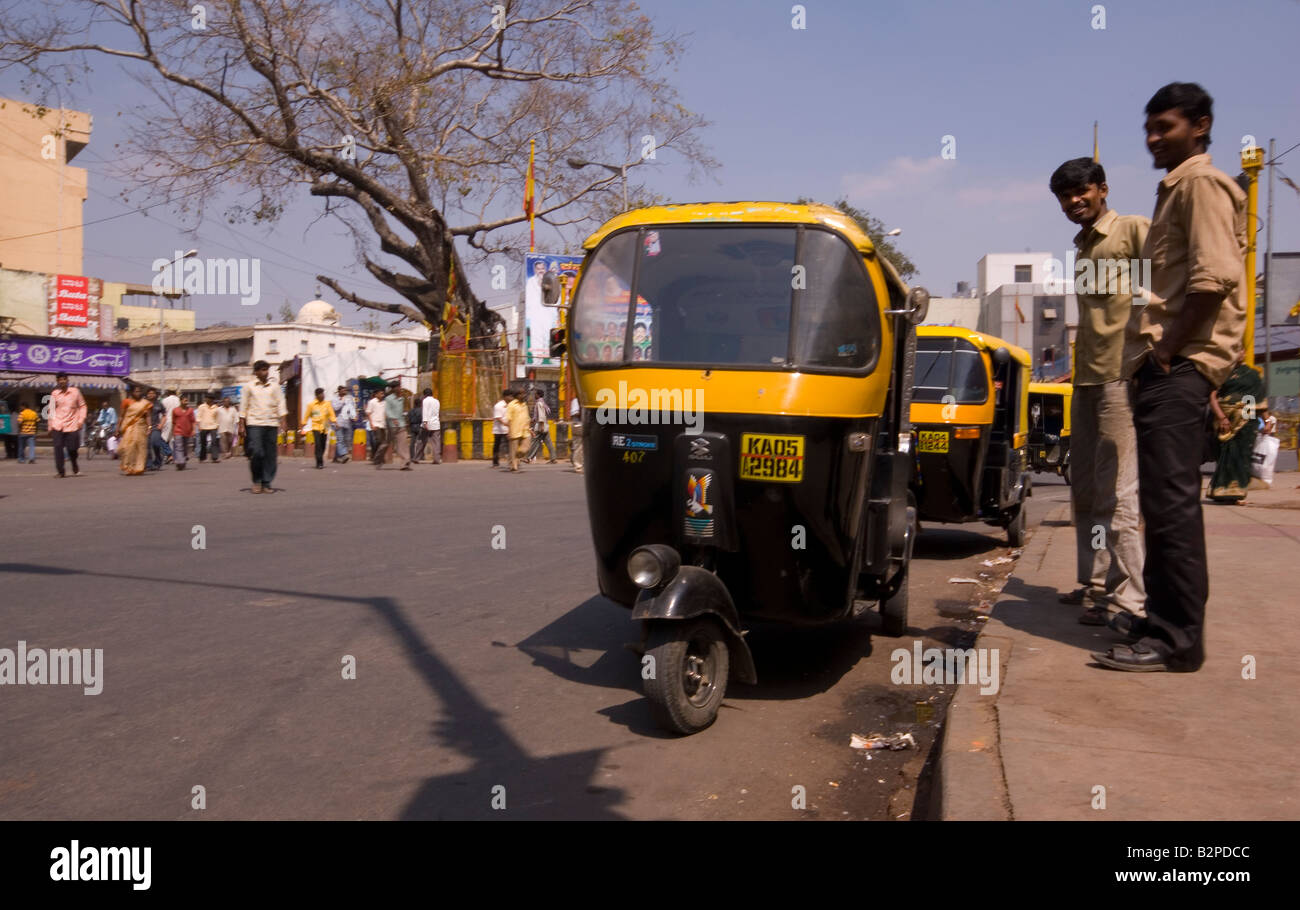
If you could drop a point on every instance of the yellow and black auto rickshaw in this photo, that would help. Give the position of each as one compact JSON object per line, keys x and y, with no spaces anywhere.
{"x":970,"y":420}
{"x":744,"y":374}
{"x":1049,"y":427}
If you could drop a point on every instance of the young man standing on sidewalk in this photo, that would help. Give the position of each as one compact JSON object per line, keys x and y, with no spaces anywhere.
{"x":67,"y":417}
{"x":184,"y":419}
{"x":318,"y":418}
{"x":500,"y":429}
{"x":262,"y":413}
{"x":1189,"y":338}
{"x":1103,"y":445}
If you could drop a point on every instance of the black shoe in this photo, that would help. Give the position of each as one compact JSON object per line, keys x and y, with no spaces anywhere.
{"x":1134,"y":658}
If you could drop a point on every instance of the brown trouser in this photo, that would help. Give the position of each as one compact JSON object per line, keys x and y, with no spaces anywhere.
{"x":394,"y":440}
{"x":1104,"y":488}
{"x":517,"y":444}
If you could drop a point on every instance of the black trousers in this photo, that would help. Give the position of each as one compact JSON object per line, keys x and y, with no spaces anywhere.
{"x":1169,"y":414}
{"x":321,"y":437}
{"x":65,"y":441}
{"x":209,"y":445}
{"x":500,"y":446}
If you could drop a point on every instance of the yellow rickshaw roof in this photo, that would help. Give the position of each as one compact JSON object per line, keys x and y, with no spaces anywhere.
{"x":981,"y":340}
{"x":1052,"y":388}
{"x":738,"y":212}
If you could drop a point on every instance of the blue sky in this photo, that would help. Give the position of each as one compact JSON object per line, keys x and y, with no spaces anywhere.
{"x":857,"y":105}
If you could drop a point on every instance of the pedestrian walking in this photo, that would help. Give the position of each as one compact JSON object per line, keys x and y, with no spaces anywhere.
{"x":67,"y":417}
{"x":134,"y":430}
{"x":1103,"y":446}
{"x":228,"y":427}
{"x":262,"y":414}
{"x":541,"y":429}
{"x":1189,"y":338}
{"x":431,"y":425}
{"x":184,"y":423}
{"x":27,"y":423}
{"x":345,"y":415}
{"x":500,"y":429}
{"x":415,"y":428}
{"x":171,"y":401}
{"x":517,"y":420}
{"x":208,"y":417}
{"x":575,"y":434}
{"x":158,"y":448}
{"x":1238,"y":406}
{"x":375,"y":432}
{"x":394,"y":429}
{"x":319,"y":418}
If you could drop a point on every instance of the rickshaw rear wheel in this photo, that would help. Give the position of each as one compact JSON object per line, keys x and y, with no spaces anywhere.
{"x":689,"y":673}
{"x":893,"y":609}
{"x":1016,"y":527}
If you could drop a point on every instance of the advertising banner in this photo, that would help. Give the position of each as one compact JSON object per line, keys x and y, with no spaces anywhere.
{"x":50,"y":355}
{"x":71,"y":300}
{"x":539,"y":319}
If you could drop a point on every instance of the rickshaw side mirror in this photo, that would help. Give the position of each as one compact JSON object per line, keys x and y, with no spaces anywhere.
{"x":550,"y":289}
{"x":918,"y":305}
{"x":1002,"y":356}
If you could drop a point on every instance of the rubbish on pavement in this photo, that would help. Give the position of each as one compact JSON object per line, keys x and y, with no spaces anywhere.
{"x":963,"y":581}
{"x":1000,"y":561}
{"x":881,"y":741}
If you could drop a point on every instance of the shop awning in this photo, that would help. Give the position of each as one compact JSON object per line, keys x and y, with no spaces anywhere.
{"x":17,"y":380}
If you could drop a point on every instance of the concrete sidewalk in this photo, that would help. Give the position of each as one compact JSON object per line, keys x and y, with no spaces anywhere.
{"x":1207,"y":745}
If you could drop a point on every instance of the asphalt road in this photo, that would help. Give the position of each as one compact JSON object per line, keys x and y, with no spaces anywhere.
{"x":476,"y":668}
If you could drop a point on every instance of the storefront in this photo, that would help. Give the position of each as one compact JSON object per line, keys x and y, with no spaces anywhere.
{"x":28,"y":365}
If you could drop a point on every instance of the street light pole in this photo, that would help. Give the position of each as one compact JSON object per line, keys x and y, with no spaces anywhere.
{"x":621,"y":169}
{"x":162,"y":329}
{"x":1268,"y":260}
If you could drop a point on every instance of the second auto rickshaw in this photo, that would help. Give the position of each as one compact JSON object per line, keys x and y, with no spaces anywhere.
{"x":970,"y":418}
{"x":1049,"y":427}
{"x":745,"y":372}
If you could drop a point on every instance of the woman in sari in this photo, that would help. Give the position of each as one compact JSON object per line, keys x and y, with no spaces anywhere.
{"x":133,"y":431}
{"x":1235,"y":405}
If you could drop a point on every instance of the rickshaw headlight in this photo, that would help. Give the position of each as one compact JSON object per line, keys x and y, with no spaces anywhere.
{"x":652,"y":565}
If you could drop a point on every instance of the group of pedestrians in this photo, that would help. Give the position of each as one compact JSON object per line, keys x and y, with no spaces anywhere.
{"x":154,"y":432}
{"x":521,"y":429}
{"x":1144,"y":377}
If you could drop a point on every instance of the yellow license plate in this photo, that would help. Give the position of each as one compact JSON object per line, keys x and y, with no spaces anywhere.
{"x":933,"y":441}
{"x":776,"y":459}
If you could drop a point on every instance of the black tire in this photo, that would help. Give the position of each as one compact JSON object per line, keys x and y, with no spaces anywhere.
{"x":893,"y":610}
{"x":1016,"y":527}
{"x":1065,"y":472}
{"x":691,"y":665}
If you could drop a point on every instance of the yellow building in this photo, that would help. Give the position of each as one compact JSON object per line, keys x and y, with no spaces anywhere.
{"x":41,"y":194}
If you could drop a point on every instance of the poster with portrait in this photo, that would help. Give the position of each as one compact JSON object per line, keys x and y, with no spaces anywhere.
{"x":539,"y":319}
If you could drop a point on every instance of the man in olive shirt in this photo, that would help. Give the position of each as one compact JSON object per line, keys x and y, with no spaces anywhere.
{"x":1188,"y":339}
{"x":1103,"y":453}
{"x":394,"y":429}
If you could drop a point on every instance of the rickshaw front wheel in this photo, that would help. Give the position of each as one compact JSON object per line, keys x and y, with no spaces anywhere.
{"x":893,"y":609}
{"x":1016,"y":527}
{"x":687,"y":673}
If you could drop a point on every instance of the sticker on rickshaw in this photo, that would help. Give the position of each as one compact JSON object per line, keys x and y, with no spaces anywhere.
{"x":933,"y":441}
{"x":771,"y":458}
{"x":634,"y":443}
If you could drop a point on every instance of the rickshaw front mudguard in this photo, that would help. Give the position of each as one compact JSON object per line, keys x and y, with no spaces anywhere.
{"x":693,"y":592}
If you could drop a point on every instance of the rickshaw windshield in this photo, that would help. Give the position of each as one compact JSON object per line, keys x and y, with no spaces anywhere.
{"x":949,"y":366}
{"x":727,"y":295}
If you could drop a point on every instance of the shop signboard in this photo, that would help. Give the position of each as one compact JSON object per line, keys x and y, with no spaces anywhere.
{"x":50,"y":355}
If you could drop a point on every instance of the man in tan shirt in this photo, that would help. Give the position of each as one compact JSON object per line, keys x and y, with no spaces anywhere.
{"x":1103,"y":445}
{"x":1188,"y":339}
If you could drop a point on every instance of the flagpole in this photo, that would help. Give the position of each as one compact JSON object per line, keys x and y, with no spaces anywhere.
{"x":532,"y":239}
{"x":1096,"y":152}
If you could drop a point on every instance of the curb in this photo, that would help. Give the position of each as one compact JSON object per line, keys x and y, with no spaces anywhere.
{"x":971,"y":782}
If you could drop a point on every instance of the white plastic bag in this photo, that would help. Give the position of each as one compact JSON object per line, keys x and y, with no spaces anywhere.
{"x":1264,"y":458}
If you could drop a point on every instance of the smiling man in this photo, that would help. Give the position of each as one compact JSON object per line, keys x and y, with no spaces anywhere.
{"x":1189,"y":337}
{"x":1104,"y":472}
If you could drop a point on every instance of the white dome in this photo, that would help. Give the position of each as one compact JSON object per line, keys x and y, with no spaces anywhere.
{"x":318,"y":312}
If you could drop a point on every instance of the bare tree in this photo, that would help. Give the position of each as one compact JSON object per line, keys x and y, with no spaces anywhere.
{"x":411,"y":119}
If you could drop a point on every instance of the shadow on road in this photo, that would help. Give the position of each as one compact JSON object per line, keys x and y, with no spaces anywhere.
{"x":534,"y":788}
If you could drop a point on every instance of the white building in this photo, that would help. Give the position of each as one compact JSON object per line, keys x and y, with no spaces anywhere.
{"x":328,"y":354}
{"x":996,"y":269}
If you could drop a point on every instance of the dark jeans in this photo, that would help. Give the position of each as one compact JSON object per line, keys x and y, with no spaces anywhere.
{"x":259,"y":446}
{"x":1169,"y":414}
{"x":208,"y":445}
{"x":157,"y":450}
{"x":67,"y":440}
{"x":321,"y":439}
{"x":500,"y":446}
